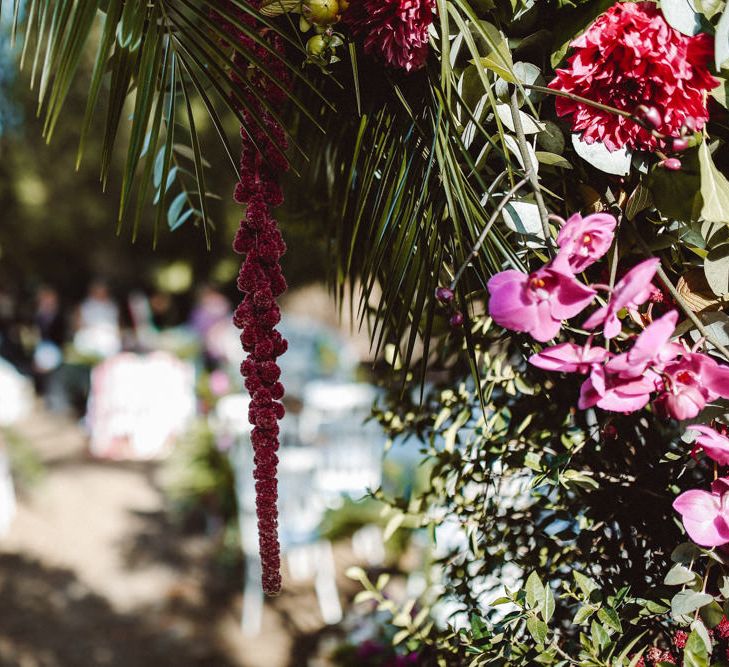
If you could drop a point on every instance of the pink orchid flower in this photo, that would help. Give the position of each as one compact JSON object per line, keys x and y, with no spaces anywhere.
{"x":705,"y":514}
{"x":651,"y":348}
{"x":569,"y":358}
{"x":583,"y":241}
{"x":715,"y":445}
{"x":536,"y":303}
{"x":611,"y":392}
{"x":633,"y":289}
{"x":689,"y":383}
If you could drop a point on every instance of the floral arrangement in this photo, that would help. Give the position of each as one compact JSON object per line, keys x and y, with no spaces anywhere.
{"x":635,"y":92}
{"x":532,"y":198}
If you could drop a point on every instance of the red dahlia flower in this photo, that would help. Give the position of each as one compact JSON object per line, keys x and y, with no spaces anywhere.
{"x":397,"y":30}
{"x":630,"y":56}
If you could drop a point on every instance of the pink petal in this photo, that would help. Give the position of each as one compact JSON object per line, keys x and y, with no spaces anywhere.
{"x":700,"y":511}
{"x":571,"y":297}
{"x":715,"y":445}
{"x":716,"y":380}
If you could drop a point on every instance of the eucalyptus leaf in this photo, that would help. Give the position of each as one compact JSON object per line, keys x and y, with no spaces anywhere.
{"x":677,"y":575}
{"x":688,"y":601}
{"x":714,"y":188}
{"x":523,"y":217}
{"x":716,"y":269}
{"x":551,"y":138}
{"x":676,"y":194}
{"x":537,"y":629}
{"x":598,"y":155}
{"x":721,"y":41}
{"x":681,"y":15}
{"x":695,"y":653}
{"x":529,"y":124}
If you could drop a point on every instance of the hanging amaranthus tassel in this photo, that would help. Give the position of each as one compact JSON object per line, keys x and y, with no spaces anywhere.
{"x":261,"y":281}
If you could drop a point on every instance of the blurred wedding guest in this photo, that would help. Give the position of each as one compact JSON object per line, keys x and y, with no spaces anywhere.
{"x":10,"y":341}
{"x":50,"y":325}
{"x":210,"y":319}
{"x":98,"y":333}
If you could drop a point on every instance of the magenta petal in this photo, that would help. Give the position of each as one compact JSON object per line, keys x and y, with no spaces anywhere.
{"x":716,"y":380}
{"x":507,"y":305}
{"x":596,"y":319}
{"x":571,"y":298}
{"x":588,"y":395}
{"x":612,"y":326}
{"x":546,"y":327}
{"x":653,"y":338}
{"x":617,"y":402}
{"x":715,"y":445}
{"x":700,"y":511}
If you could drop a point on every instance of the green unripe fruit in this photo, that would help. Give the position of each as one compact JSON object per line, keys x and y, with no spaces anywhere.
{"x":316,"y":45}
{"x":321,"y":12}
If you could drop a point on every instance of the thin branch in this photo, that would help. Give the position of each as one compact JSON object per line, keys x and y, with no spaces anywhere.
{"x":680,"y":300}
{"x":598,"y":105}
{"x":482,"y":237}
{"x":531,"y":170}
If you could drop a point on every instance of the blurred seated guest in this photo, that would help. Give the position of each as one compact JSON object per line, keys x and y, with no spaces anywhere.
{"x":50,"y":326}
{"x":97,"y":323}
{"x":11,"y":347}
{"x":164,"y":311}
{"x":210,"y":319}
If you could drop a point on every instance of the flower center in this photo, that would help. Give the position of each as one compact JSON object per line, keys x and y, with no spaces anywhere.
{"x":539,"y":287}
{"x":684,"y":377}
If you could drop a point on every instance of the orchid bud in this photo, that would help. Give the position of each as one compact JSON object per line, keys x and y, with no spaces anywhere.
{"x":651,"y":115}
{"x":671,"y":163}
{"x":456,"y":320}
{"x":444,"y":294}
{"x":690,"y":124}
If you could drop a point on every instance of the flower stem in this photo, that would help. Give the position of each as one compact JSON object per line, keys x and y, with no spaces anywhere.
{"x":484,"y":233}
{"x":597,"y":105}
{"x":531,"y":169}
{"x":680,"y":300}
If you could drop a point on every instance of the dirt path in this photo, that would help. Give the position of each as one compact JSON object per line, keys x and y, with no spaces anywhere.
{"x":92,"y":573}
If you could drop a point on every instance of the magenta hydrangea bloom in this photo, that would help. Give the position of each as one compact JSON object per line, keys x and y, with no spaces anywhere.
{"x":629,"y":57}
{"x":633,"y":289}
{"x":582,"y":241}
{"x":569,"y":358}
{"x":715,"y":445}
{"x":652,"y":348}
{"x":536,"y":303}
{"x":705,"y":514}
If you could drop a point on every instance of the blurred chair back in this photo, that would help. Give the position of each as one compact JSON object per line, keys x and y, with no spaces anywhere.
{"x":333,"y":421}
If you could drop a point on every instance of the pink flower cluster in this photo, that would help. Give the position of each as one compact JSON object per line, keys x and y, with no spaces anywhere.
{"x":630,"y":57}
{"x":261,"y":281}
{"x":395,"y":30}
{"x":683,"y":380}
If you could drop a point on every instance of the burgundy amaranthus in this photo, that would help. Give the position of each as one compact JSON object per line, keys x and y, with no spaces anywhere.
{"x":260,"y":279}
{"x":629,"y":57}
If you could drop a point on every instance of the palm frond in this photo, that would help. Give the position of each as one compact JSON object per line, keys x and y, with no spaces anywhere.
{"x":409,"y":180}
{"x":152,"y":58}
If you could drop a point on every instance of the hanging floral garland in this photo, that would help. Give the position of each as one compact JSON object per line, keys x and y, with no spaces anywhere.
{"x":260,"y":279}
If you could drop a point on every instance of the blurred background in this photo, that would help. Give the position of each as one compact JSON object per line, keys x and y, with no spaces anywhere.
{"x":127,"y":532}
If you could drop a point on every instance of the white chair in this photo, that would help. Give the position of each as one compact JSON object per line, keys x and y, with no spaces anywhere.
{"x":301,"y":510}
{"x":7,"y":493}
{"x":334,"y":422}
